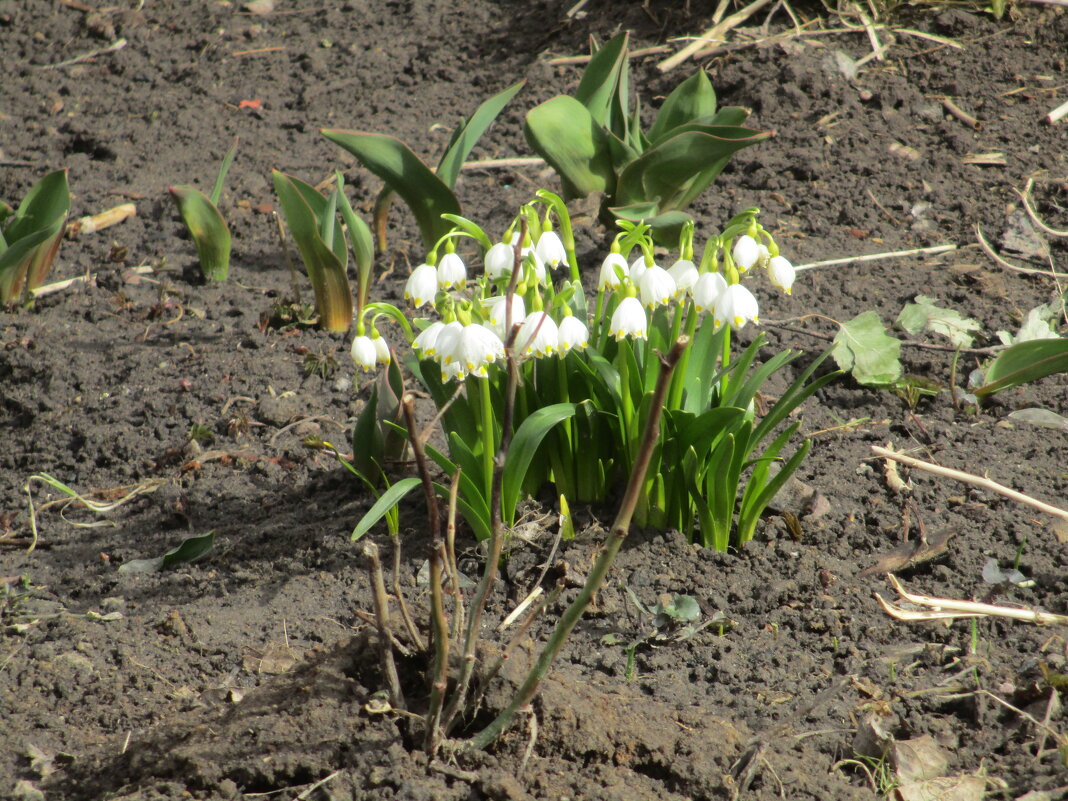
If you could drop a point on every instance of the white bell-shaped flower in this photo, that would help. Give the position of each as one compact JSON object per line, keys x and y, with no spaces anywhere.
{"x":573,"y":335}
{"x":736,"y":307}
{"x":424,"y":344}
{"x":422,"y":285}
{"x":629,"y":320}
{"x":550,"y":249}
{"x":538,"y":336}
{"x":446,"y":341}
{"x":499,"y":260}
{"x":452,"y":272}
{"x":685,"y":274}
{"x":363,"y":353}
{"x":382,"y":354}
{"x":656,"y":287}
{"x":782,"y":273}
{"x":638,"y":268}
{"x":746,"y":252}
{"x":470,"y":352}
{"x":764,"y":255}
{"x":495,"y":313}
{"x":609,"y":277}
{"x":708,"y":289}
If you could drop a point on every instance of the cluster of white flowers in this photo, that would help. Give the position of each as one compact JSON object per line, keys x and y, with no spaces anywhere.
{"x":475,"y":329}
{"x":648,"y":286}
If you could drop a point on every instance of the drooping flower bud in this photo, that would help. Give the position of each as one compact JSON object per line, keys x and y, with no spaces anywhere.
{"x":452,"y":272}
{"x":573,"y":335}
{"x":609,"y":277}
{"x":656,"y":287}
{"x":422,"y":285}
{"x":363,"y":353}
{"x":685,"y":273}
{"x":499,"y":260}
{"x":707,"y":291}
{"x":550,"y":249}
{"x":782,"y":273}
{"x":745,"y":253}
{"x":736,"y":307}
{"x":629,"y":320}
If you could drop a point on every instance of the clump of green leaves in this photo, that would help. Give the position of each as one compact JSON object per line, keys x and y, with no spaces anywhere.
{"x":206,"y":225}
{"x":595,"y":142}
{"x":30,"y":237}
{"x":428,"y":193}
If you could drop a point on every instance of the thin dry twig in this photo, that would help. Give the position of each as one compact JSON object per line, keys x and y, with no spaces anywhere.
{"x":969,"y":478}
{"x":989,"y":251}
{"x":712,"y":36}
{"x":960,"y":113}
{"x":118,"y":44}
{"x":895,"y":254}
{"x":1025,"y":196}
{"x":503,"y":164}
{"x":950,"y":608}
{"x":385,"y":630}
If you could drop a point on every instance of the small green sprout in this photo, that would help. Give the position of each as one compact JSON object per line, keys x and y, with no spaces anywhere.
{"x":206,"y":224}
{"x":313,"y":222}
{"x":30,"y":237}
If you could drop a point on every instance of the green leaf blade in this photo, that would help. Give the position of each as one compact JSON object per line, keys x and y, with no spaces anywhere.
{"x":563,"y":132}
{"x":208,"y":229}
{"x":427,"y":195}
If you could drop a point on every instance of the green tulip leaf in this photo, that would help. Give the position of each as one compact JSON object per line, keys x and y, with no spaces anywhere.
{"x":567,"y":136}
{"x":863,"y":347}
{"x":470,"y":131}
{"x":427,"y":195}
{"x":1023,"y":363}
{"x":333,"y":296}
{"x":605,"y":81}
{"x":678,"y":169}
{"x":208,"y":229}
{"x":30,"y":239}
{"x":691,"y":100}
{"x":190,"y":550}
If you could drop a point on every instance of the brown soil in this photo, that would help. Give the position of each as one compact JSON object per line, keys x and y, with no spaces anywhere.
{"x":180,"y":695}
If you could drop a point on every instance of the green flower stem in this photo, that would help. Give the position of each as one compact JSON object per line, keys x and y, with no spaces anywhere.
{"x":725,"y":362}
{"x":620,"y":527}
{"x":439,"y":626}
{"x":625,"y":350}
{"x":678,"y":383}
{"x":488,"y":432}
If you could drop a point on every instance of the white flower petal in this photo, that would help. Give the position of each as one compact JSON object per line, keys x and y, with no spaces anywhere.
{"x":499,"y":260}
{"x":452,"y":272}
{"x":707,"y":291}
{"x":685,"y":274}
{"x":736,"y":307}
{"x":782,"y":273}
{"x":363,"y":353}
{"x":609,"y":276}
{"x":656,"y":287}
{"x":422,"y":285}
{"x":629,"y":320}
{"x":573,"y":335}
{"x":745,"y":253}
{"x":550,"y":249}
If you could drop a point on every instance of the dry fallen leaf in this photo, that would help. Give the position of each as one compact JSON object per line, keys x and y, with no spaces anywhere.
{"x":910,"y":554}
{"x":274,"y":659}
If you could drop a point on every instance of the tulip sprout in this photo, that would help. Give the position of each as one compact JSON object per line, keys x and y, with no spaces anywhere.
{"x":30,"y":237}
{"x":206,"y":225}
